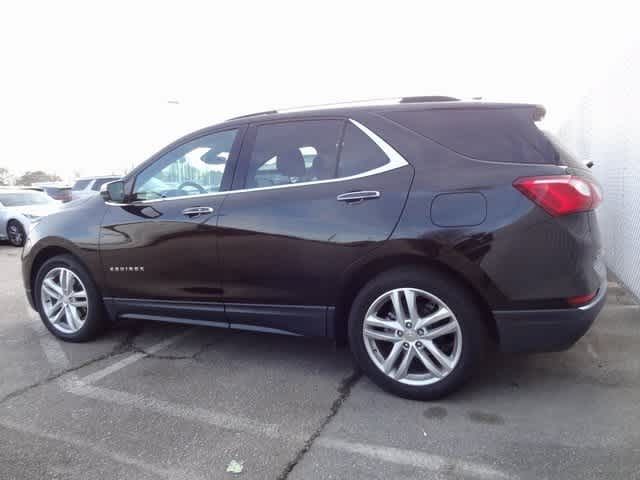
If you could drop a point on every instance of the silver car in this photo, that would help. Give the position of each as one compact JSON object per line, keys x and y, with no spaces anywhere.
{"x":19,"y":208}
{"x":85,"y":187}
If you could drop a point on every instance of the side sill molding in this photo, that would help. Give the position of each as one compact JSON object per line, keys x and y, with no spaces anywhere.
{"x":300,"y":320}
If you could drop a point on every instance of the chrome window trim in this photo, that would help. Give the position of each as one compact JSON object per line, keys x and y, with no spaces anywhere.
{"x":395,"y":161}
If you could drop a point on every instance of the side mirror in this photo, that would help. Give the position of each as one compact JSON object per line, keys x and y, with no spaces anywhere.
{"x":113,"y":191}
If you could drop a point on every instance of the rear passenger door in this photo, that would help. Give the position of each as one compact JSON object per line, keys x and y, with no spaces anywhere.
{"x":310,"y":197}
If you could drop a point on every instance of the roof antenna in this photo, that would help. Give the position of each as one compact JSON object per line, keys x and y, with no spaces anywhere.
{"x":590,"y":164}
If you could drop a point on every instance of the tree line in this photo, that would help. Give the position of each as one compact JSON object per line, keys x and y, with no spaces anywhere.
{"x":28,"y":178}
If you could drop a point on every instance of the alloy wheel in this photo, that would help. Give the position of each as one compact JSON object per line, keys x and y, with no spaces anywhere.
{"x":412,"y":336}
{"x":64,"y":300}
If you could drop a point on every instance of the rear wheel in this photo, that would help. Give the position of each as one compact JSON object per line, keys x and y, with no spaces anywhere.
{"x":16,"y":233}
{"x":67,"y":299}
{"x":416,"y":333}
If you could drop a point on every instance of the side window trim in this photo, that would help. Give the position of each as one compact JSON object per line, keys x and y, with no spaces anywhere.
{"x":395,"y":160}
{"x":241,"y":157}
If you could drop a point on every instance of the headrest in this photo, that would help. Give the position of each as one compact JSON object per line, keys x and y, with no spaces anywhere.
{"x":290,"y":163}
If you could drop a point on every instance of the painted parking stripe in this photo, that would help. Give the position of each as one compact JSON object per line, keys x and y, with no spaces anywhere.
{"x":143,"y":402}
{"x":84,"y":388}
{"x":125,"y":362}
{"x":414,"y":458}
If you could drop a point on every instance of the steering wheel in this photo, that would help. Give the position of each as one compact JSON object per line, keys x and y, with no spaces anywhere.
{"x":195,"y":185}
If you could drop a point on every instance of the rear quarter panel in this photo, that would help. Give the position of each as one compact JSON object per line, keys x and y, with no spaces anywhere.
{"x":519,"y":256}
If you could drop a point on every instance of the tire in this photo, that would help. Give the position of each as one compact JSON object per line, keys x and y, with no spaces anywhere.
{"x":15,"y":233}
{"x":436,"y":295}
{"x":92,"y":319}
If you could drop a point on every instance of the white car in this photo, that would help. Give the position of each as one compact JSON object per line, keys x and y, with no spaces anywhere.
{"x":19,"y":208}
{"x":87,"y":186}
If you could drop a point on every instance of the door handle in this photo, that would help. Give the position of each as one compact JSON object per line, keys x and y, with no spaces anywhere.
{"x":197,"y":211}
{"x":351,"y":197}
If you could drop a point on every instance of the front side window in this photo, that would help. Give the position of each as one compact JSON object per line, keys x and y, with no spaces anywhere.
{"x":294,"y":152}
{"x":194,"y":168}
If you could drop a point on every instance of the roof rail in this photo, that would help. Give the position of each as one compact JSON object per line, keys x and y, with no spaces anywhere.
{"x":355,"y":103}
{"x":432,"y":98}
{"x":266,"y":112}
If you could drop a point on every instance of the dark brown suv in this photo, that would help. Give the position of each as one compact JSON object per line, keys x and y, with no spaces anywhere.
{"x":421,"y":231}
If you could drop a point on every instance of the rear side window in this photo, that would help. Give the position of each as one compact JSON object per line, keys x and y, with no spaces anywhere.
{"x":496,"y":135}
{"x":294,"y":152}
{"x":359,"y":153}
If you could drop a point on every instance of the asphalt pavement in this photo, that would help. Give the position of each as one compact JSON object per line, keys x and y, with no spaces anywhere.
{"x":152,"y":400}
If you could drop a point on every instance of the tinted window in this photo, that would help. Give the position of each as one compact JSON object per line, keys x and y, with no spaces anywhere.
{"x":20,"y":199}
{"x":294,"y":152}
{"x":81,"y":184}
{"x":193,"y":168}
{"x":497,"y":135}
{"x":359,"y":153}
{"x":101,"y":181}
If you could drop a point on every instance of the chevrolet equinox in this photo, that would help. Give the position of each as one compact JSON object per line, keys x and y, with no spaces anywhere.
{"x":422,"y":231}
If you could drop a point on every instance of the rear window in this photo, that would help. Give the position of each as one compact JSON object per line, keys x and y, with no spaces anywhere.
{"x":81,"y":184}
{"x":496,"y":135}
{"x":101,"y":181}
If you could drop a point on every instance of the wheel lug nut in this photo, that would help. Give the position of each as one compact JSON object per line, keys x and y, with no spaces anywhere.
{"x":408,"y":324}
{"x":419,"y":344}
{"x":420,"y":332}
{"x":399,"y":333}
{"x":405,"y":345}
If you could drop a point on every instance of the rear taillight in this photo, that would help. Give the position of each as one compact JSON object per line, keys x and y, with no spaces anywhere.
{"x":581,"y":299}
{"x":561,"y":194}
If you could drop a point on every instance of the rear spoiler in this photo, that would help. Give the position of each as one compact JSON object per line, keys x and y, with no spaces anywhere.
{"x":538,"y":113}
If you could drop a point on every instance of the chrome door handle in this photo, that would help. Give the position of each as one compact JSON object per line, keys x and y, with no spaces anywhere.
{"x":196,"y":211}
{"x":358,"y":196}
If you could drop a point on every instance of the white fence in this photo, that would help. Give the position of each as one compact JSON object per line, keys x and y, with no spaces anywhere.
{"x":605,"y":129}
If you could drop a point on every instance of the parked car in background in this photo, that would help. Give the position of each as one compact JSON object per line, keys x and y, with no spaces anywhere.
{"x":19,"y":208}
{"x":87,"y":186}
{"x":422,"y":231}
{"x":56,"y":191}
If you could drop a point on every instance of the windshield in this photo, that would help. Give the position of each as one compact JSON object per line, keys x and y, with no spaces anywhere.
{"x":19,"y":199}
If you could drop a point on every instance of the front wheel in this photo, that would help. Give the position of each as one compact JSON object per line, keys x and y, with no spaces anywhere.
{"x":416,"y":333}
{"x":16,"y":233}
{"x":67,"y":300}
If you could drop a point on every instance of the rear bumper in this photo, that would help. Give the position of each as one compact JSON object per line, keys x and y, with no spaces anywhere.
{"x":546,"y":330}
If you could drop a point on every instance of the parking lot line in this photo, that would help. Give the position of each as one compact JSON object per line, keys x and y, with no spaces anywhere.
{"x":83,"y":446}
{"x":84,"y":388}
{"x":134,"y":357}
{"x":210,"y":417}
{"x":414,"y":458}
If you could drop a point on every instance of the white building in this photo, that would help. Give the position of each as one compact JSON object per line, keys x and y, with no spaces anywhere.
{"x":605,"y":129}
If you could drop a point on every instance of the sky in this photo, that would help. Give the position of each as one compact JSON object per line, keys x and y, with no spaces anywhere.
{"x":90,"y":88}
